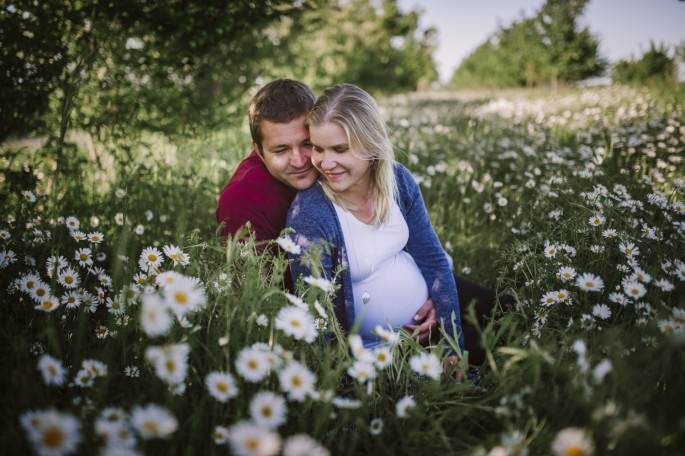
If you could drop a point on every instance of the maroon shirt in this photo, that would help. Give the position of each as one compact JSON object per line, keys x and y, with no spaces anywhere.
{"x":253,"y":195}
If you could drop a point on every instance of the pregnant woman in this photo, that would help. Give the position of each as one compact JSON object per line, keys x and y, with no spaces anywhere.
{"x":368,"y":210}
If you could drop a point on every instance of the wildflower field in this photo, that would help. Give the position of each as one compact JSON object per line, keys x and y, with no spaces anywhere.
{"x":127,"y":327}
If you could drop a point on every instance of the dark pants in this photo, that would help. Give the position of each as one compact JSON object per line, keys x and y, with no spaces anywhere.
{"x":484,"y":300}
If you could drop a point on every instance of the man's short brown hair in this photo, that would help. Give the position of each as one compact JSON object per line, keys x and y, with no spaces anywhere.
{"x":279,"y":101}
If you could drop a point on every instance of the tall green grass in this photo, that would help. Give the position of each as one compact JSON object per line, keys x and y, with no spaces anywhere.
{"x":510,"y":181}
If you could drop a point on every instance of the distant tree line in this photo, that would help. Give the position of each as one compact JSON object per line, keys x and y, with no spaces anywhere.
{"x":655,"y":65}
{"x":546,"y":49}
{"x":109,"y":67}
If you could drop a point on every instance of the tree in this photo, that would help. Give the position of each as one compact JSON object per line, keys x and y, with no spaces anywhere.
{"x":365,"y":42}
{"x":164,"y":66}
{"x":546,"y":48}
{"x":654,"y":65}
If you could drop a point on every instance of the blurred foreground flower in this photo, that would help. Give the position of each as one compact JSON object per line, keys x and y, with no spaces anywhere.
{"x":51,"y":432}
{"x":572,"y":441}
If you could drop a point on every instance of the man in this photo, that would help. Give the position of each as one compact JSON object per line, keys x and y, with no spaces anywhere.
{"x":265,"y":183}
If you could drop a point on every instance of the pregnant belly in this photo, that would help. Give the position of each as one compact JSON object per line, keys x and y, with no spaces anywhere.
{"x":396,"y":290}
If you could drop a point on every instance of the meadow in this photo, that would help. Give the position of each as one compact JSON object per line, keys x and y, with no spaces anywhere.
{"x":129,"y":327}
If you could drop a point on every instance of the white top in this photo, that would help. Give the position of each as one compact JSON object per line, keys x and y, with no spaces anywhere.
{"x":381,"y":272}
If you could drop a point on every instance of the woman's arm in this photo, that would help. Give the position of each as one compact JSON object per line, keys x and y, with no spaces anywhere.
{"x":425,"y":248}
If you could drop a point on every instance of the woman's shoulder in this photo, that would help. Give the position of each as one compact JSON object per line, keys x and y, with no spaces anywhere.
{"x":405,"y":179}
{"x":310,"y":201}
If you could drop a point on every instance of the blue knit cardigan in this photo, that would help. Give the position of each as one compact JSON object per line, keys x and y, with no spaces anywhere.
{"x":314,"y":219}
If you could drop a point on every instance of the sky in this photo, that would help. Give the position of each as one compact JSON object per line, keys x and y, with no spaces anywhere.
{"x":624,"y":27}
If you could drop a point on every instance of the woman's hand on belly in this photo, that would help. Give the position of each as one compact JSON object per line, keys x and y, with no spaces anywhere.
{"x":425,"y":322}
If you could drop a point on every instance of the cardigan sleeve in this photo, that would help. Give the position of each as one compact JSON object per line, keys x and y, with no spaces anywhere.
{"x":425,"y":248}
{"x":314,"y":227}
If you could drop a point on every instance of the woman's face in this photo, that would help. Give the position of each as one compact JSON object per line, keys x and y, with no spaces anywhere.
{"x":342,"y":169}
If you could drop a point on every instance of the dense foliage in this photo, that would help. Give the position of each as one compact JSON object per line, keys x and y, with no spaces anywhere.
{"x":545,"y":49}
{"x":131,"y":329}
{"x":116,"y":68}
{"x":655,"y":65}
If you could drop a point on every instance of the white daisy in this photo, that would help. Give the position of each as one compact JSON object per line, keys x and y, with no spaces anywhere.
{"x":296,"y":301}
{"x":119,"y":218}
{"x":664,"y":285}
{"x":153,"y":421}
{"x":589,"y":282}
{"x":166,"y":278}
{"x":426,"y":364}
{"x":220,"y":435}
{"x":154,"y":316}
{"x":39,"y":291}
{"x":296,"y":323}
{"x":84,"y":257}
{"x":54,"y":264}
{"x":609,"y":233}
{"x":596,"y":220}
{"x":404,"y":406}
{"x":132,"y":371}
{"x":68,"y":278}
{"x":296,"y":380}
{"x":51,"y":432}
{"x":572,"y":441}
{"x":252,"y":364}
{"x":382,"y":357}
{"x":601,"y":311}
{"x":567,"y":273}
{"x":376,"y":426}
{"x":182,"y":296}
{"x":221,"y":386}
{"x":303,"y":445}
{"x":84,"y":378}
{"x":96,"y":237}
{"x":151,"y":258}
{"x":28,"y":282}
{"x":48,"y":304}
{"x":548,"y":298}
{"x":72,"y":223}
{"x":629,"y":249}
{"x":680,"y":271}
{"x":634,"y":289}
{"x":268,"y":409}
{"x":176,"y":255}
{"x":52,"y":370}
{"x":551,"y":250}
{"x":601,"y":370}
{"x":288,"y":245}
{"x":346,"y":403}
{"x":249,"y":439}
{"x":170,"y":361}
{"x":618,"y":298}
{"x":29,"y":196}
{"x":78,"y":235}
{"x":362,"y":371}
{"x":7,"y":257}
{"x":139,"y":229}
{"x":319,"y":282}
{"x":71,"y":300}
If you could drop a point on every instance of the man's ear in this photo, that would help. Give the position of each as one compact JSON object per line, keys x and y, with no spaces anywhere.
{"x":257,"y":148}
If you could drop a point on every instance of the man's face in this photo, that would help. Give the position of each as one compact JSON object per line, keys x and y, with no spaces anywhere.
{"x":287,"y":153}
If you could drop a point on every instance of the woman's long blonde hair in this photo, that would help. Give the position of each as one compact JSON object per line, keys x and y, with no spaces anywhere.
{"x":357,"y":113}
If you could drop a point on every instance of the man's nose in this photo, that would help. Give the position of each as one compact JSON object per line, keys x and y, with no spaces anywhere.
{"x":299,"y":157}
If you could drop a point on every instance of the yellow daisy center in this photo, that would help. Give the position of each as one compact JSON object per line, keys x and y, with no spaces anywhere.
{"x":53,"y":437}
